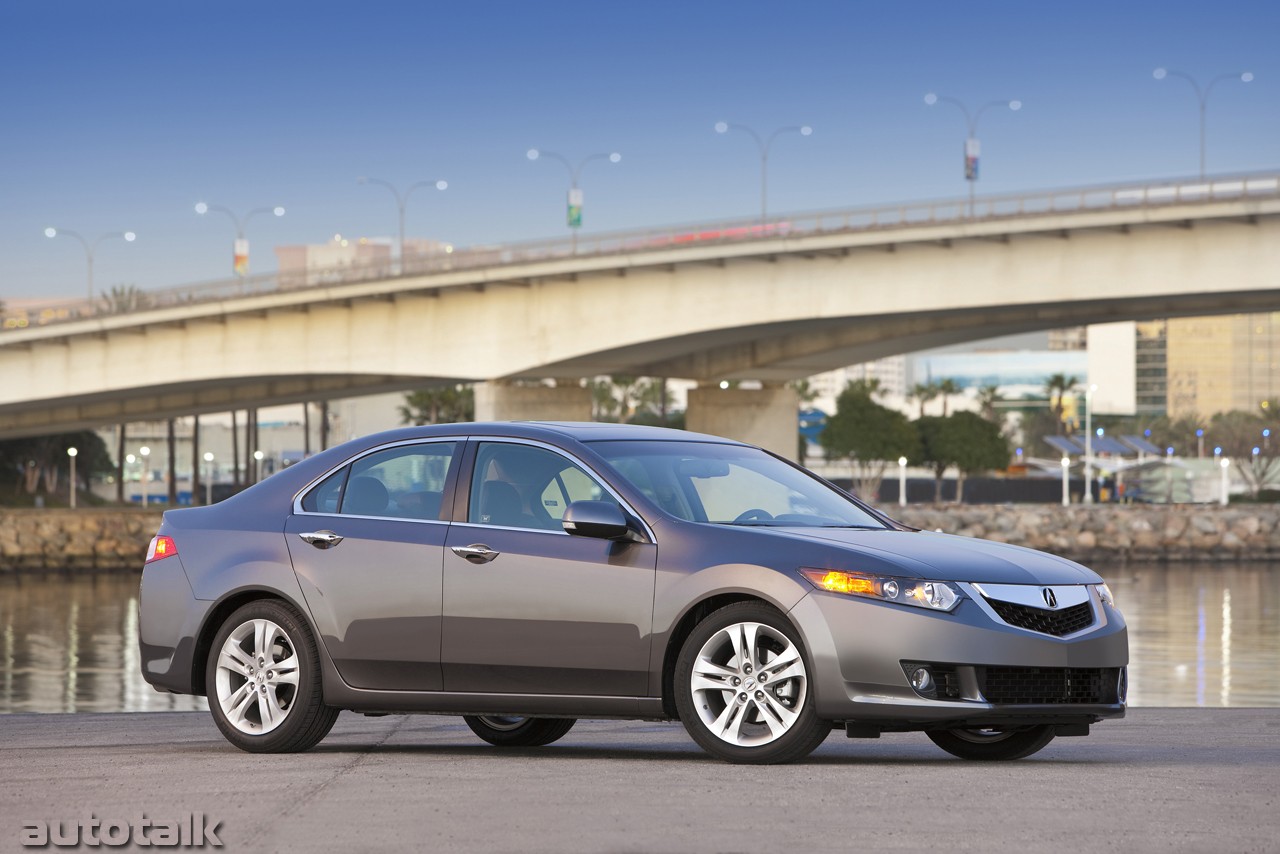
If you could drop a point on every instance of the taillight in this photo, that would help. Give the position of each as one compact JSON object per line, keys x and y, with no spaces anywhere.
{"x":161,"y":547}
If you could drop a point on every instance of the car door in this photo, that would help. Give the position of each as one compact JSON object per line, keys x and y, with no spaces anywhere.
{"x":367,"y":545}
{"x":529,"y":609}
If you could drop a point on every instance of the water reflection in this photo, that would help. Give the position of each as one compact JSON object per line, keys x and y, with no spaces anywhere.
{"x":1200,"y":635}
{"x":70,"y":644}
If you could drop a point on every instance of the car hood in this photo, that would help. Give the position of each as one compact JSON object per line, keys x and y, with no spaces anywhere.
{"x":947,"y":557}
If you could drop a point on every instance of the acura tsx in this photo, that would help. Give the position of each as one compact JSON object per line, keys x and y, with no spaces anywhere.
{"x":525,"y":575}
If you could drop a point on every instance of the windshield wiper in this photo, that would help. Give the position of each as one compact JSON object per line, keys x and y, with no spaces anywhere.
{"x":858,"y":527}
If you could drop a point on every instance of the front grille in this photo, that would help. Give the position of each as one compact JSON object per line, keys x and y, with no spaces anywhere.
{"x":1057,"y":623}
{"x":1048,"y":685}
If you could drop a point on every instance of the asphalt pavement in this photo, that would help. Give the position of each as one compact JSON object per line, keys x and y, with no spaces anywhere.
{"x":1198,"y":780}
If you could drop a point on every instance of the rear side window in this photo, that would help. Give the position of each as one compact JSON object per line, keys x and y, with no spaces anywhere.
{"x":405,"y":482}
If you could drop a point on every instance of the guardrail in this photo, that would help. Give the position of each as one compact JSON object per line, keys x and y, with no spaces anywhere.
{"x":1123,"y":196}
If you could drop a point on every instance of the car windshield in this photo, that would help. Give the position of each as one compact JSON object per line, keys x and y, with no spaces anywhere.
{"x":731,"y":485}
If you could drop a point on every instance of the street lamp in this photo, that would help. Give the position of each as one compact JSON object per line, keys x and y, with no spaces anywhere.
{"x":1226,"y":465}
{"x":146,"y":474}
{"x":972,"y":149}
{"x":71,"y":452}
{"x":764,"y":145}
{"x":902,"y":481}
{"x":1200,"y":443}
{"x":1202,"y":96}
{"x":257,"y":469}
{"x":1088,"y":443}
{"x":90,"y":246}
{"x":1066,"y":481}
{"x":240,"y":257}
{"x":573,"y":215}
{"x":402,"y":199}
{"x":208,"y":484}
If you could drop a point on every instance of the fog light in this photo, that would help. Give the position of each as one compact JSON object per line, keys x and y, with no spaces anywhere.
{"x":921,"y":679}
{"x":1122,"y":685}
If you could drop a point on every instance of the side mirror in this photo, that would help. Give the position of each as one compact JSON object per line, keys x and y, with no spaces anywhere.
{"x":600,"y":519}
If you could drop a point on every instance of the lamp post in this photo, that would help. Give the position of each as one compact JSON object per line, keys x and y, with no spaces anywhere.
{"x":257,"y":469}
{"x":764,"y":145}
{"x":71,"y":452}
{"x":573,"y":215}
{"x":402,"y":199}
{"x":1202,"y":96}
{"x":902,"y":481}
{"x":144,"y":452}
{"x":90,"y":247}
{"x":1226,"y":478}
{"x":1088,"y":443}
{"x":1066,"y":480}
{"x":1200,"y":443}
{"x":208,"y":484}
{"x":972,"y":149}
{"x":240,"y":254}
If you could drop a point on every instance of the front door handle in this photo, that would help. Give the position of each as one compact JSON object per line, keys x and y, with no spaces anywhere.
{"x":476,"y":552}
{"x":322,"y":539}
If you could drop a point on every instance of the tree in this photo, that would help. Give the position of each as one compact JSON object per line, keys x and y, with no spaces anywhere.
{"x":43,"y":460}
{"x":923,"y":392}
{"x":621,"y":398}
{"x":988,"y":397}
{"x":945,"y":388}
{"x":440,"y":405}
{"x":1056,"y":387}
{"x":124,"y":298}
{"x":869,"y":435}
{"x":965,"y":440}
{"x":1240,"y":435}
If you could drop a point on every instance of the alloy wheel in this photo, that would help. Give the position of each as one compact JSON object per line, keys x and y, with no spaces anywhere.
{"x":257,"y":677}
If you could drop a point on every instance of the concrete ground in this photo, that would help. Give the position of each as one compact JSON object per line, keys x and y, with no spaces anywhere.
{"x":1199,"y":780}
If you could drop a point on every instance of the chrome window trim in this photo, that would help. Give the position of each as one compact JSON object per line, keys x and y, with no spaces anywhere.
{"x":974,"y":591}
{"x":314,"y":482}
{"x":603,"y":481}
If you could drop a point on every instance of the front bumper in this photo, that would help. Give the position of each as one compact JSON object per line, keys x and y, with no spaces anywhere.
{"x":858,"y":648}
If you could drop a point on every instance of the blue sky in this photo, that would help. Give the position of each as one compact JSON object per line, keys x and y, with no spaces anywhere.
{"x":123,"y":115}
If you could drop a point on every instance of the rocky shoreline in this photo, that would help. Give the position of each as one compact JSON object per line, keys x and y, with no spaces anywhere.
{"x":116,"y":539}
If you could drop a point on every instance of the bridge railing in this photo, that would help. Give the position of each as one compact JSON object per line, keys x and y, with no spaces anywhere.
{"x":634,"y":242}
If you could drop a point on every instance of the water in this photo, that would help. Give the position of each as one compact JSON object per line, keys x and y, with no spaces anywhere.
{"x":1200,"y":635}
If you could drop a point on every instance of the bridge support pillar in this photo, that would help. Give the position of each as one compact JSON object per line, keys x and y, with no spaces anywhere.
{"x":499,"y":401}
{"x":766,"y":417}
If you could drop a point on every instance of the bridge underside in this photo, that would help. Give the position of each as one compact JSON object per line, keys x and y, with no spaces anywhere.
{"x":152,"y":403}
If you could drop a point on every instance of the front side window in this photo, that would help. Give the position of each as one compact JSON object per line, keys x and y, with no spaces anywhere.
{"x":730,"y":485}
{"x":405,"y":482}
{"x":522,"y":486}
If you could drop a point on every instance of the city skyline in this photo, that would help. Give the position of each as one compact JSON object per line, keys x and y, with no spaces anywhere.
{"x":127,"y":120}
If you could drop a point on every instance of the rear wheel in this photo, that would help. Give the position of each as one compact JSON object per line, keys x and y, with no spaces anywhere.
{"x":263,"y":681}
{"x":992,"y":744}
{"x":743,"y":690}
{"x":512,"y":731}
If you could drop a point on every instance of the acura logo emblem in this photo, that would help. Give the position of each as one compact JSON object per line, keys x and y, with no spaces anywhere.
{"x":1049,"y":598}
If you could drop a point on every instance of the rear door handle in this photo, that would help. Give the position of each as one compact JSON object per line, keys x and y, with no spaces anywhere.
{"x":476,"y":552}
{"x":322,"y":539}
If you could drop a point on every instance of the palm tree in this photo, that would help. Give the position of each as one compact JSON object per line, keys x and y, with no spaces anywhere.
{"x":923,"y":392}
{"x":988,"y":397}
{"x":1056,"y":387}
{"x":946,"y":387}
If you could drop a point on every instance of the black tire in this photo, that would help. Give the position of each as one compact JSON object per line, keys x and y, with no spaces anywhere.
{"x":990,"y":745}
{"x":306,"y":719}
{"x":804,"y":734}
{"x":510,"y":731}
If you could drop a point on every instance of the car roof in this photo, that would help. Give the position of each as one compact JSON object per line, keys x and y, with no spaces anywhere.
{"x":581,"y":431}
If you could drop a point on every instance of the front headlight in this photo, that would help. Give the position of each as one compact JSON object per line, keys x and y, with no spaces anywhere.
{"x":934,"y":595}
{"x":1104,"y":593}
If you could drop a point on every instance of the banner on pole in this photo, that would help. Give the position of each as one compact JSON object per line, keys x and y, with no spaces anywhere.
{"x":574,"y":215}
{"x":971,"y":152}
{"x":241,"y":261}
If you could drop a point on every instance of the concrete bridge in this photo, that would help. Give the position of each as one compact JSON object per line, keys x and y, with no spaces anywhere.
{"x":740,"y":300}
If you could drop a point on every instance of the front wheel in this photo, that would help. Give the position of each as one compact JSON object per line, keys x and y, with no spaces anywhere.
{"x":263,"y":681}
{"x":992,"y":744}
{"x":511,"y":731}
{"x":743,"y":690}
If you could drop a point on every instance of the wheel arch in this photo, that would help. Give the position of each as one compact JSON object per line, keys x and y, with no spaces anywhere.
{"x":218,"y":615}
{"x":698,"y":612}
